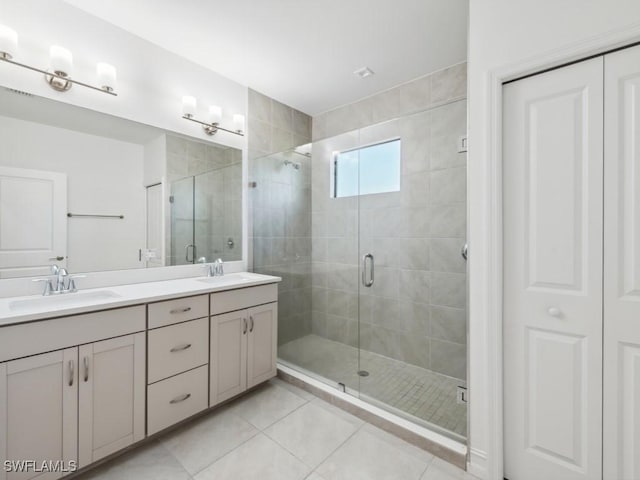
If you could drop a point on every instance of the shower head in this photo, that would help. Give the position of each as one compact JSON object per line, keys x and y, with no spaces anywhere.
{"x":295,"y":165}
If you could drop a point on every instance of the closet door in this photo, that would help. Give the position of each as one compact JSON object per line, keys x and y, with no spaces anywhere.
{"x":622,"y":266}
{"x":552,"y":184}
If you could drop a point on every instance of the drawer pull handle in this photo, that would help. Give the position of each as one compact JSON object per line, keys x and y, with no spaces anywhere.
{"x":251,"y":323}
{"x":180,"y":348}
{"x":180,"y":310}
{"x":244,"y":322}
{"x":181,"y":398}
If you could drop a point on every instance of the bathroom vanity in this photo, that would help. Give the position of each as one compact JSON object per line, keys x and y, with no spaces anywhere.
{"x":86,"y":374}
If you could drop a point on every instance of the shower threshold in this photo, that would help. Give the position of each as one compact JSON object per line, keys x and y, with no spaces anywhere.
{"x":428,"y":438}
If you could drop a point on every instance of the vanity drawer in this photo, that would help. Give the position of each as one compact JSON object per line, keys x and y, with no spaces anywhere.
{"x":178,"y":310}
{"x":177,"y":348}
{"x":176,"y":398}
{"x":31,"y":338}
{"x":241,"y":298}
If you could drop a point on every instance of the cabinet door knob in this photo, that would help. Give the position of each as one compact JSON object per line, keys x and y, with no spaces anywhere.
{"x":554,"y":312}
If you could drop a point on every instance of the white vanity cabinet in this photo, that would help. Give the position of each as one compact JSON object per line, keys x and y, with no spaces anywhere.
{"x":243,"y":340}
{"x":77,"y":388}
{"x":79,"y":403}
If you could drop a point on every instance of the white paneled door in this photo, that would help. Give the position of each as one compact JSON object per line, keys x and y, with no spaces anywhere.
{"x":622,"y":266}
{"x":553,"y":187}
{"x":33,"y":221}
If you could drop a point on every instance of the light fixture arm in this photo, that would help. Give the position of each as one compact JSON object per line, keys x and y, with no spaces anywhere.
{"x":212,"y":128}
{"x":50,"y":75}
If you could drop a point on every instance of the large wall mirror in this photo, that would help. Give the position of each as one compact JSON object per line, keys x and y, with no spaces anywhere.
{"x":92,"y":192}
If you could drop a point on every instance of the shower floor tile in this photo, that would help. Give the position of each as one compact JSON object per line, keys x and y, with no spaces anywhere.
{"x":413,"y":390}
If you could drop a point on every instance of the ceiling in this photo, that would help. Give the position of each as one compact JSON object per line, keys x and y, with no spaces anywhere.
{"x":301,"y":52}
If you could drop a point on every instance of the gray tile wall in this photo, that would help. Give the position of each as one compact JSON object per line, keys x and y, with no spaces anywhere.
{"x":280,"y":208}
{"x":416,"y":310}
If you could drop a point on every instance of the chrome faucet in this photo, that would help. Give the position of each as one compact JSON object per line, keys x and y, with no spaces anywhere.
{"x":64,"y":283}
{"x":216,"y":269}
{"x":61,"y":276}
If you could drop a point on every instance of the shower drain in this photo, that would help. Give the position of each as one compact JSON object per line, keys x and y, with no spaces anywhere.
{"x":363,"y":373}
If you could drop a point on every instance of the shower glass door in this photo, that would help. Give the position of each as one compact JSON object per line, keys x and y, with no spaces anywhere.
{"x":412,"y":292}
{"x":183,"y":249}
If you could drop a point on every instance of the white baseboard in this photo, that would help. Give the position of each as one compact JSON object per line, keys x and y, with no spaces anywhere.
{"x":477,"y":464}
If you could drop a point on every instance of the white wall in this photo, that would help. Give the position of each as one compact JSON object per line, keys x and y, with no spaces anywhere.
{"x":155,"y":160}
{"x":509,"y":38}
{"x":104,"y":176}
{"x":151,"y":81}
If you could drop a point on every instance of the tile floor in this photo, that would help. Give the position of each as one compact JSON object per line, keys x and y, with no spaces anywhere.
{"x":277,"y":432}
{"x":419,"y":392}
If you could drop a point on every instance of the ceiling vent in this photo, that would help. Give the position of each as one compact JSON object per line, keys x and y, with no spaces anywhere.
{"x":19,"y":92}
{"x":364,"y":72}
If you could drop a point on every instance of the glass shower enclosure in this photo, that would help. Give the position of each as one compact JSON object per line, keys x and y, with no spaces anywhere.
{"x":366,"y":232}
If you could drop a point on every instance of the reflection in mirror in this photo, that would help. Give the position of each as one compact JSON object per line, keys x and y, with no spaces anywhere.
{"x":92,"y":192}
{"x":206,"y":205}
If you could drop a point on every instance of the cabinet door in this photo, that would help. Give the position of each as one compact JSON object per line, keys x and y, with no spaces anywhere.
{"x":112,"y":396}
{"x":39,"y":410}
{"x":622,"y":266}
{"x":552,"y":181}
{"x":262,"y":346}
{"x":228,"y":362}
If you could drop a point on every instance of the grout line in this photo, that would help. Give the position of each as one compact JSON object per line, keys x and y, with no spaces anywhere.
{"x":257,"y":432}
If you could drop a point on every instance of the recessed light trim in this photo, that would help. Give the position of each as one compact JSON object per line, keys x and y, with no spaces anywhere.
{"x":364,"y":72}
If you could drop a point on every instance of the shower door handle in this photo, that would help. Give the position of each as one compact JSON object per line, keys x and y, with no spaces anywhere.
{"x":369,"y":282}
{"x":193,"y":253}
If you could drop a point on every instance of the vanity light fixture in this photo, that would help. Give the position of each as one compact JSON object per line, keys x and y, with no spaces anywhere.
{"x":211,"y":127}
{"x":60,"y":64}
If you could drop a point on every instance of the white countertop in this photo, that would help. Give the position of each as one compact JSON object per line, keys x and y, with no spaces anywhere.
{"x":15,"y":310}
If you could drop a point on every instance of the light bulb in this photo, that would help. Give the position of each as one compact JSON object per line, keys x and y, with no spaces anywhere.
{"x":106,"y":76}
{"x":8,"y":42}
{"x":238,"y":122}
{"x":189,"y":105}
{"x":61,"y":60}
{"x":215,"y":114}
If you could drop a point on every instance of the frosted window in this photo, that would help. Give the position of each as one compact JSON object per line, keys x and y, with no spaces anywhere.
{"x":367,"y":170}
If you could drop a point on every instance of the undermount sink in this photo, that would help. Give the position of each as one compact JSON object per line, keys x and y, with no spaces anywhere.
{"x":62,"y":300}
{"x":231,"y":279}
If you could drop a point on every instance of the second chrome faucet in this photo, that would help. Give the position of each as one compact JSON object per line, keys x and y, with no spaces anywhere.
{"x":216,"y":269}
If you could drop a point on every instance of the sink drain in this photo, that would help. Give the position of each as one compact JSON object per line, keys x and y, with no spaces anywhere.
{"x":363,"y":373}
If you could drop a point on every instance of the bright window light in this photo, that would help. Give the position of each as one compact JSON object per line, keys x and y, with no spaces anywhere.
{"x":367,"y":170}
